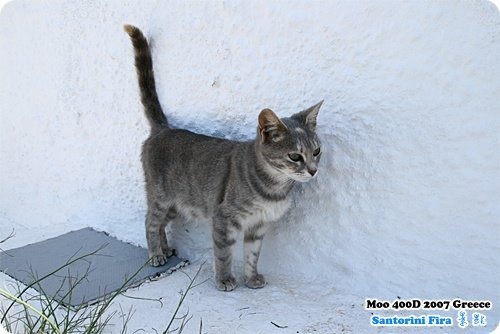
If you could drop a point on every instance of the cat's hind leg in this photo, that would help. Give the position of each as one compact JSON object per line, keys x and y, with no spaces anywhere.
{"x":167,"y":251}
{"x":156,"y":219}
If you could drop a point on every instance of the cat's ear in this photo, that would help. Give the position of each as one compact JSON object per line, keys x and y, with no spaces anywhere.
{"x":308,"y":116}
{"x":271,"y":128}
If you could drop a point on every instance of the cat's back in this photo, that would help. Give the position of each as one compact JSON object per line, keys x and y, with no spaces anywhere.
{"x":184,"y":150}
{"x":186,"y":142}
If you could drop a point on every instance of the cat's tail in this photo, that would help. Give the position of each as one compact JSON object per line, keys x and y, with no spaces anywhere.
{"x":144,"y":68}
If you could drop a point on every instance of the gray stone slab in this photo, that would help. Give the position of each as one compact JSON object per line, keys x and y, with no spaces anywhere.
{"x":114,"y":263}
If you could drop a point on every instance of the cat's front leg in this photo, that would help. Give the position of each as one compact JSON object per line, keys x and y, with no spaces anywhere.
{"x":224,"y":234}
{"x":252,"y":245}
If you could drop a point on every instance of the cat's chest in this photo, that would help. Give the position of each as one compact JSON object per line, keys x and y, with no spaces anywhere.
{"x":266,"y":211}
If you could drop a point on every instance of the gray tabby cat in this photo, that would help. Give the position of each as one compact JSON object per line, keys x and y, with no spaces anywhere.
{"x":239,"y":186}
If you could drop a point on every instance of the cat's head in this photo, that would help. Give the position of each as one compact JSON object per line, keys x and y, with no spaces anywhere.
{"x":290,"y":145}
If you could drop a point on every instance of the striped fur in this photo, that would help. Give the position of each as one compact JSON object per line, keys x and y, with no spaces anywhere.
{"x":145,"y":74}
{"x":241,"y":187}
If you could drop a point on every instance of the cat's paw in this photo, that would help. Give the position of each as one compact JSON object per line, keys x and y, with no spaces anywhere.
{"x":158,"y":260}
{"x":226,"y":284}
{"x":256,"y":282}
{"x":168,"y":252}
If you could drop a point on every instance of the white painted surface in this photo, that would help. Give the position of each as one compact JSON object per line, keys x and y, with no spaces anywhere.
{"x":407,"y":201}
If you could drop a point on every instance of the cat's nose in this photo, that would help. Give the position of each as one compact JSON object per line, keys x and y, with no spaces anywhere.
{"x":312,"y":171}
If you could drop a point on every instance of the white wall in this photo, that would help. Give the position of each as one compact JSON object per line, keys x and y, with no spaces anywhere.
{"x":408,"y":196}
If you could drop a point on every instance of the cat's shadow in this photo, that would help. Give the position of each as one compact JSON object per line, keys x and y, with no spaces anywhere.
{"x":241,"y":130}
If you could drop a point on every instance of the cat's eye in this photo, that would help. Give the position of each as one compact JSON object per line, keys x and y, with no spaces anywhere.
{"x":295,"y":156}
{"x":316,"y":151}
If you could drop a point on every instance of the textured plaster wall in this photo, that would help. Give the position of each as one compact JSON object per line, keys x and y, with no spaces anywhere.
{"x":407,"y":201}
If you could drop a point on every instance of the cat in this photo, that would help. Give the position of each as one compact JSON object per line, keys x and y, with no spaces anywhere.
{"x":239,"y":186}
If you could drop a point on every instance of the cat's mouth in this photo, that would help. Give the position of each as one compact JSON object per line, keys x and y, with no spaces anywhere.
{"x":302,"y":177}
